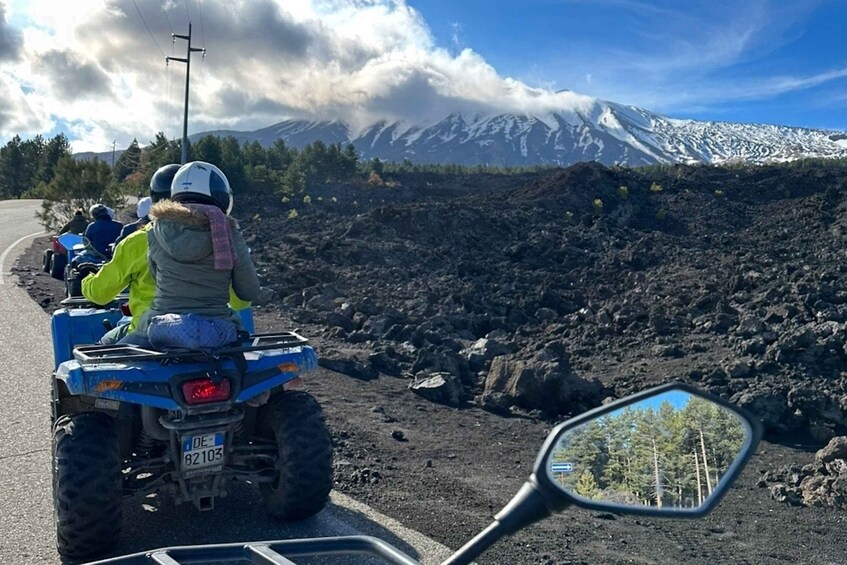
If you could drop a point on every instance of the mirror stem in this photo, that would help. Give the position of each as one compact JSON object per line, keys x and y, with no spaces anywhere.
{"x":527,"y":507}
{"x":477,"y":545}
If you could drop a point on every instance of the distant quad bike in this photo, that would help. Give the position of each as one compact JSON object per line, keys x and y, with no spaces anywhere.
{"x":130,"y":422}
{"x":63,"y":262}
{"x":55,"y":259}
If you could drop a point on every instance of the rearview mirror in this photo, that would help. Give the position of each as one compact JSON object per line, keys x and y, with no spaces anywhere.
{"x":668,"y":451}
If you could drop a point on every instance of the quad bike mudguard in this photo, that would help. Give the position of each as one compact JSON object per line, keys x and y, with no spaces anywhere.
{"x":73,"y":326}
{"x":139,"y":376}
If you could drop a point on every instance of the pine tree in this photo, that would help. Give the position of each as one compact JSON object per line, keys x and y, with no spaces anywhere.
{"x":129,"y":162}
{"x":77,"y":184}
{"x":586,"y":485}
{"x":55,"y":149}
{"x":12,"y":181}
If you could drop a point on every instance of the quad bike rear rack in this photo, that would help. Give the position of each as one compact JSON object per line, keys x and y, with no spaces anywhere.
{"x":267,"y":552}
{"x":82,"y":302}
{"x":99,"y":354}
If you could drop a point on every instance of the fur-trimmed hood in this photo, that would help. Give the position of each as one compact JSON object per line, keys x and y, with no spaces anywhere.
{"x":181,"y":232}
{"x":177,"y":212}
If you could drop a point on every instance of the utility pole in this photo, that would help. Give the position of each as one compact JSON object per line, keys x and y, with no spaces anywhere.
{"x":187,"y":61}
{"x":114,"y":144}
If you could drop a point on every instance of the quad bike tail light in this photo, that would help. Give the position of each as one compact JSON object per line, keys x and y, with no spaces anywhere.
{"x":203,"y":391}
{"x":125,"y":309}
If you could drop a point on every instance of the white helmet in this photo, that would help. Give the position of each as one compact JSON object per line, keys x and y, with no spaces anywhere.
{"x":143,"y":207}
{"x":202,"y":183}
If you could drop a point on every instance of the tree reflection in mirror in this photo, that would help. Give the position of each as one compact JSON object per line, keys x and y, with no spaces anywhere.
{"x":669,"y":451}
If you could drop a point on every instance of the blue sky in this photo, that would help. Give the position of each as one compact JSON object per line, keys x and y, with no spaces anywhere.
{"x":770,"y":61}
{"x":677,"y":398}
{"x":95,"y":69}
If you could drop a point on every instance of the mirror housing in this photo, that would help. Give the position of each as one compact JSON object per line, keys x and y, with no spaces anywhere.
{"x":560,"y":481}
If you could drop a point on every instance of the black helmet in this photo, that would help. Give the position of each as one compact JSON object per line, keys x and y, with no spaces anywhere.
{"x":98,"y":211}
{"x":202,"y":183}
{"x":160,"y":183}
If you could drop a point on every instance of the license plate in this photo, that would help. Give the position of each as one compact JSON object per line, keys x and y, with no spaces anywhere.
{"x":203,"y":452}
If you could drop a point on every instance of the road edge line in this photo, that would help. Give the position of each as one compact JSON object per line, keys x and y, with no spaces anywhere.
{"x":9,"y":250}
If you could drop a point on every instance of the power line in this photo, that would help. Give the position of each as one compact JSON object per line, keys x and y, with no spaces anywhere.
{"x":202,"y":29}
{"x":187,"y":11}
{"x":148,"y":29}
{"x":168,"y":95}
{"x":167,"y":19}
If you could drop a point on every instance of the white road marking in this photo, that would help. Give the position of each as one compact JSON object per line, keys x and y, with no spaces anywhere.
{"x":430,"y":551}
{"x":9,"y":250}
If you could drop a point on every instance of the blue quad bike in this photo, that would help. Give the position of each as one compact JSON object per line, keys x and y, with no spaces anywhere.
{"x":69,"y":252}
{"x":129,"y":421}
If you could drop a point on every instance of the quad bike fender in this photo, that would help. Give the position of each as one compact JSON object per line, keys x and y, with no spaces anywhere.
{"x":78,"y":326}
{"x":270,"y":369}
{"x":114,"y":381}
{"x":151,"y":383}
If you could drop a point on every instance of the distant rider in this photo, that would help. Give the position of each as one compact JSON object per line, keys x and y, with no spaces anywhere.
{"x":103,"y":230}
{"x":77,"y":224}
{"x":141,"y":211}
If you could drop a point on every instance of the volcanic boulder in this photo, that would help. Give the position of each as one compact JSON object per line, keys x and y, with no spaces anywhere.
{"x":544,"y":382}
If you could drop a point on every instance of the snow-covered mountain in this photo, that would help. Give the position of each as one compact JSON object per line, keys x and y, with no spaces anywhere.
{"x":602,"y":131}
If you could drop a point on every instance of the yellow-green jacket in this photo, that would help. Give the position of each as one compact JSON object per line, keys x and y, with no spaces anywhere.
{"x":128,"y":268}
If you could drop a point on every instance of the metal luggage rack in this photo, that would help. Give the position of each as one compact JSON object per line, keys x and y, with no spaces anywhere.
{"x":271,"y":552}
{"x":98,"y":354}
{"x":82,"y":302}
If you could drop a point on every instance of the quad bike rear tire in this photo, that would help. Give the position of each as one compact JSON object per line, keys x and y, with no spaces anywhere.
{"x":301,"y":489}
{"x":58,"y":262}
{"x":87,"y":485}
{"x":46,"y":260}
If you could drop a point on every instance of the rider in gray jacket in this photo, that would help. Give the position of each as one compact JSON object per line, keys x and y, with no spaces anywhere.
{"x":196,"y":251}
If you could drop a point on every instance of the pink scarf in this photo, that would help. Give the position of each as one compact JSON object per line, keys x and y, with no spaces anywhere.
{"x":222,"y":244}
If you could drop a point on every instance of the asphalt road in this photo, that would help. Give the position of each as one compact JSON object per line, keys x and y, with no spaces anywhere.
{"x":27,"y":534}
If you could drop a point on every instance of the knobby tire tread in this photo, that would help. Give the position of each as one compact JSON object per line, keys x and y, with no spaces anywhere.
{"x":305,"y":456}
{"x":87,"y":486}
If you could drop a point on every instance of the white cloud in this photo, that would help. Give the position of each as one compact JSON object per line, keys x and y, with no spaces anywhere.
{"x":93,"y":65}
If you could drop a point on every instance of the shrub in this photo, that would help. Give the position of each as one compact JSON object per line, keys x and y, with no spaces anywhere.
{"x":623,"y":193}
{"x":292,"y":214}
{"x":307,"y":199}
{"x":598,"y":206}
{"x":569,"y":215}
{"x":656,"y":187}
{"x":719,"y":193}
{"x":661,"y":214}
{"x":375,"y":180}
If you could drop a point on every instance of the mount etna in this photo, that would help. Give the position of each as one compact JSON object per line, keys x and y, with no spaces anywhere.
{"x":586,"y":129}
